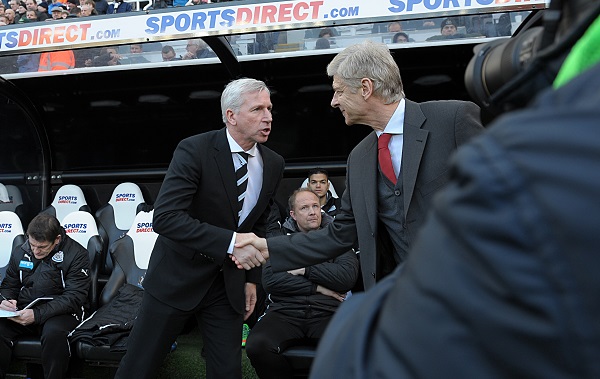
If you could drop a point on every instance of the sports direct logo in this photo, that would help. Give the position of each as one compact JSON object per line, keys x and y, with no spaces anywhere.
{"x":75,"y":228}
{"x":5,"y":228}
{"x":144,"y":227}
{"x":125,"y":197}
{"x":67,"y":200}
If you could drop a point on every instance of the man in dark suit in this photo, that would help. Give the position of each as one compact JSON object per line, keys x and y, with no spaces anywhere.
{"x":383,"y":212}
{"x":200,"y":215}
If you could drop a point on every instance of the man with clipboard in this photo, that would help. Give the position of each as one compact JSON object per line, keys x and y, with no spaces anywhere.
{"x":46,"y":286}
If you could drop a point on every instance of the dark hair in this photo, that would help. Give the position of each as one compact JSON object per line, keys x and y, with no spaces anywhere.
{"x":167,"y":49}
{"x":44,"y":227}
{"x":326,"y":31}
{"x":395,"y":39}
{"x":292,"y":199}
{"x":317,"y":170}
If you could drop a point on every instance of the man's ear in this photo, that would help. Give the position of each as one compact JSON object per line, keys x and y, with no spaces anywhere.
{"x":292,"y":215}
{"x":366,"y":88}
{"x":230,"y":117}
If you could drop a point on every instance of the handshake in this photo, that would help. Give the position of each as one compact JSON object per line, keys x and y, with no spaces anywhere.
{"x":249,"y":251}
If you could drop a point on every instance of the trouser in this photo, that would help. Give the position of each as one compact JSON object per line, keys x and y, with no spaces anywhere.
{"x":159,"y":324}
{"x":274,"y":333}
{"x":56,"y":351}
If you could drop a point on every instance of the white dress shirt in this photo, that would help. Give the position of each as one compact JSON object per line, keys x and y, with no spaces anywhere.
{"x":395,"y":127}
{"x":255,"y":178}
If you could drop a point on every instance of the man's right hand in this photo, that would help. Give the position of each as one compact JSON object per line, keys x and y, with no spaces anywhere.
{"x":245,"y":254}
{"x":8,"y":305}
{"x":250,"y":240}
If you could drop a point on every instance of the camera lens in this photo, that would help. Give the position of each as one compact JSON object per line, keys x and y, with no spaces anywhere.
{"x":498,"y":62}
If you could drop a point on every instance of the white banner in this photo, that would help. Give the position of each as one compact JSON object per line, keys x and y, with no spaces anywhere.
{"x":233,"y":18}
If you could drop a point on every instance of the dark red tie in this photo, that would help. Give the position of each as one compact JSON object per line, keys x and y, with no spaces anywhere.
{"x":385,"y":158}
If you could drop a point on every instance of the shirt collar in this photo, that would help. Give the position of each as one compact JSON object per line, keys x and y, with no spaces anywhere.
{"x":396,"y":123}
{"x":235,"y":148}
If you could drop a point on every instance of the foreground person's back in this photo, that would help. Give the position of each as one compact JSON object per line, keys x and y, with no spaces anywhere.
{"x":508,"y":288}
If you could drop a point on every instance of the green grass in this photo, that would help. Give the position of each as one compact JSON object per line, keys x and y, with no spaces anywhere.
{"x":184,"y":363}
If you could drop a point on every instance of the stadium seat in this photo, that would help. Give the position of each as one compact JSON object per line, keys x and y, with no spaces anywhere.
{"x":300,"y":357}
{"x":81,"y":226}
{"x":11,"y":236}
{"x":69,"y":198}
{"x":116,"y":217}
{"x":131,"y":255}
{"x":11,"y":200}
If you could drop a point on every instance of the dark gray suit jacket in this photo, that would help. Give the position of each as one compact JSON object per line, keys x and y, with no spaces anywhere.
{"x":432,"y":132}
{"x":196,"y":214}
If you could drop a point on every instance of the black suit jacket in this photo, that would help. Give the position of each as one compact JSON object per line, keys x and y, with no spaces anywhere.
{"x":432,"y":132}
{"x":195,"y":216}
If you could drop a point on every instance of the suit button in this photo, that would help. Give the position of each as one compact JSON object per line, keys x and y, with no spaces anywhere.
{"x":397,"y":192}
{"x":373,"y":274}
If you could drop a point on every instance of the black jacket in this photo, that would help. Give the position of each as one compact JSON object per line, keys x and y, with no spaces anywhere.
{"x":111,"y":324}
{"x":333,"y":204}
{"x":63,"y":275}
{"x":503,"y":281}
{"x":295,"y":294}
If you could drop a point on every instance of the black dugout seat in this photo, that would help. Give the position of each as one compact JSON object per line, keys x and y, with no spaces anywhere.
{"x":300,"y":356}
{"x":116,"y":217}
{"x":131,"y":255}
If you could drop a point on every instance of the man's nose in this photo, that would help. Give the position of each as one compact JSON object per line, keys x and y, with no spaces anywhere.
{"x":268,"y":115}
{"x":334,"y":101}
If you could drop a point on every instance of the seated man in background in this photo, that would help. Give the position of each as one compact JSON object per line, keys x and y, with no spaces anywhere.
{"x":49,"y":264}
{"x":318,"y":182}
{"x":301,"y":301}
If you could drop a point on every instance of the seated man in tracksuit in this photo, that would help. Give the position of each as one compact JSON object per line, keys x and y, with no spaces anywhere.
{"x":51,"y":265}
{"x":300,"y":302}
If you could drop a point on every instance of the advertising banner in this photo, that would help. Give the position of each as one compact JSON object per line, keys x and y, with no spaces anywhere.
{"x":233,"y":18}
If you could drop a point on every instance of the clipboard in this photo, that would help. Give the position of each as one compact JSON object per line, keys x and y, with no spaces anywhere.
{"x":5,"y":314}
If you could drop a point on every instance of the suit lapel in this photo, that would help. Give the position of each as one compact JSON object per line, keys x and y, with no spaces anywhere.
{"x":367,"y":169}
{"x":412,"y":149}
{"x":224,"y":164}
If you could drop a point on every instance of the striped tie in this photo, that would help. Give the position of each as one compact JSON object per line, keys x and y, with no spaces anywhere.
{"x":241,"y":175}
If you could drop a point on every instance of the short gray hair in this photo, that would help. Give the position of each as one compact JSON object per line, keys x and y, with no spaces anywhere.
{"x":369,"y":60}
{"x":232,"y":97}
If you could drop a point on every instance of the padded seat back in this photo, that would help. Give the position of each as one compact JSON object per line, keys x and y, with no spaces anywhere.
{"x":11,"y":200}
{"x":131,"y":255}
{"x":11,"y":236}
{"x":81,"y":226}
{"x":69,"y":198}
{"x":116,"y":217}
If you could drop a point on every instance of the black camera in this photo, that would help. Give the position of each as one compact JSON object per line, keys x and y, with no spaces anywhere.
{"x":505,"y":74}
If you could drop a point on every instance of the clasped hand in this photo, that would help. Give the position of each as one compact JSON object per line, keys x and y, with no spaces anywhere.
{"x":249,"y":251}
